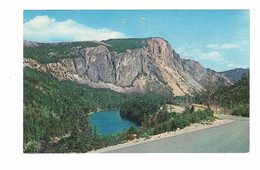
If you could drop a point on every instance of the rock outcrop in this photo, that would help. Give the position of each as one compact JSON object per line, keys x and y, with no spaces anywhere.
{"x":156,"y":68}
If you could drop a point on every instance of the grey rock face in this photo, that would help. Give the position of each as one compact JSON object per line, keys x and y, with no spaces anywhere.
{"x":157,"y":66}
{"x":201,"y":74}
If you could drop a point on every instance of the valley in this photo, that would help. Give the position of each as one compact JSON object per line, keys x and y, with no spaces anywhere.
{"x":153,"y":88}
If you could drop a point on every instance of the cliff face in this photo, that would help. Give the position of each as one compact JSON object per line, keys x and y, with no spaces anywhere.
{"x":155,"y":68}
{"x":201,"y":74}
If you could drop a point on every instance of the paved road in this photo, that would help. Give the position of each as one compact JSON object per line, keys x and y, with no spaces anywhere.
{"x":228,"y":138}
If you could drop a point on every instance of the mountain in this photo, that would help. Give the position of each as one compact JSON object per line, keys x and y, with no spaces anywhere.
{"x":148,"y":65}
{"x":235,"y":74}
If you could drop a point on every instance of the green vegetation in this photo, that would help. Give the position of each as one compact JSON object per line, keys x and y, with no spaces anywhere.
{"x":241,"y":110}
{"x":51,"y":53}
{"x":235,"y":97}
{"x":151,"y":113}
{"x":140,"y":108}
{"x":231,"y":99}
{"x":121,"y":45}
{"x":165,"y":122}
{"x":54,"y":109}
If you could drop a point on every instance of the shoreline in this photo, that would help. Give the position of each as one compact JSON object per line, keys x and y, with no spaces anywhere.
{"x":192,"y":128}
{"x":102,"y":110}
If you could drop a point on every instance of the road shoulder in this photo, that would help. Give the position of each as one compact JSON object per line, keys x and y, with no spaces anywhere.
{"x":192,"y":128}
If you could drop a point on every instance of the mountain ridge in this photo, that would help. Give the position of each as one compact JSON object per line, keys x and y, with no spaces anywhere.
{"x":142,"y":65}
{"x":235,"y":74}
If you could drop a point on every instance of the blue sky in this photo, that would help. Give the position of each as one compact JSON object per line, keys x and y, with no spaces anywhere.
{"x":218,"y":39}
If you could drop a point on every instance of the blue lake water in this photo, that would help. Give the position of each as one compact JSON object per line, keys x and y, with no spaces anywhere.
{"x":110,"y":122}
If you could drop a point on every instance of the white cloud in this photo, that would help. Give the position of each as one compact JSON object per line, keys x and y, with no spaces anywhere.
{"x":215,"y":56}
{"x":212,"y":46}
{"x":228,"y":46}
{"x":45,"y":29}
{"x":223,"y":46}
{"x":198,"y":53}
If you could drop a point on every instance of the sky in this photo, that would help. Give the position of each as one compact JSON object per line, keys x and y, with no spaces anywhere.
{"x":218,"y":39}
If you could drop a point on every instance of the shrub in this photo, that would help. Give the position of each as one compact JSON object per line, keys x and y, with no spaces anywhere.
{"x":241,"y":110}
{"x":32,"y":147}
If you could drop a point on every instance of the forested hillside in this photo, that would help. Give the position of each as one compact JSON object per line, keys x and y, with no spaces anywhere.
{"x":235,"y":97}
{"x":54,"y":109}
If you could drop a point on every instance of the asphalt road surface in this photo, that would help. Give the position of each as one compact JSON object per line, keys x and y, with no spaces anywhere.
{"x":228,"y":138}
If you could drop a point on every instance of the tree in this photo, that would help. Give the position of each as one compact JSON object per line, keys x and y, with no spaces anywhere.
{"x":207,"y":94}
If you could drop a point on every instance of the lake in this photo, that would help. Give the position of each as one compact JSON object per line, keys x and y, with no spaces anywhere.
{"x":110,"y":122}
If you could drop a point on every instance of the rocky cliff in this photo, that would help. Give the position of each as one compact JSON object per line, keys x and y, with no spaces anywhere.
{"x":155,"y":67}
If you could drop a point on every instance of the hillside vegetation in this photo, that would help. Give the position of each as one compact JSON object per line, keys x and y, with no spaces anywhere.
{"x":235,"y":97}
{"x":53,"y":52}
{"x":54,"y":109}
{"x":121,"y":45}
{"x":150,"y":112}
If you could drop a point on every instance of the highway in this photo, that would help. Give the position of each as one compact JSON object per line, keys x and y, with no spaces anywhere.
{"x":227,"y":138}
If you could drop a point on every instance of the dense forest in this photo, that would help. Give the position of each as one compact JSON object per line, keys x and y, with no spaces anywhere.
{"x":139,"y":108}
{"x":55,"y":109}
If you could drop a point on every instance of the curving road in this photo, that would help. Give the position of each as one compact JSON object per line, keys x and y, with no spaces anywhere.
{"x":228,"y":138}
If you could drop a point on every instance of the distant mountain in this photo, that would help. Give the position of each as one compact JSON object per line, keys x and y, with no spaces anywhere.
{"x":147,"y":65}
{"x":235,"y":74}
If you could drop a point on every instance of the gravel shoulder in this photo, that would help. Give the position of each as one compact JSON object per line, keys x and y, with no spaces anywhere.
{"x":192,"y":128}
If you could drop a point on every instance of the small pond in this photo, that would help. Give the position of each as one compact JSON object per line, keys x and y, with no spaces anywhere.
{"x":110,"y":122}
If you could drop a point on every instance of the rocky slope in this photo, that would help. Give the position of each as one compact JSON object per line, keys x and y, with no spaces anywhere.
{"x":235,"y":74}
{"x":155,"y":67}
{"x":201,"y":74}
